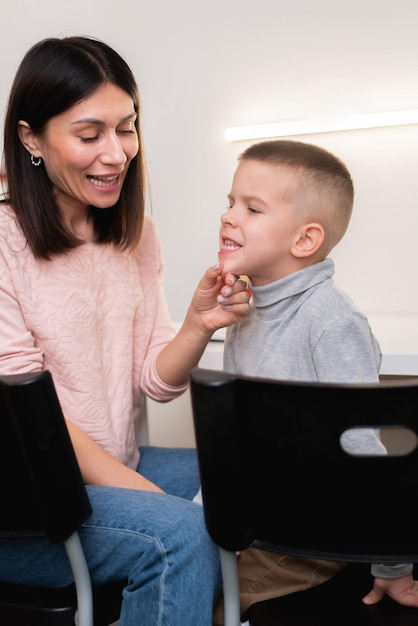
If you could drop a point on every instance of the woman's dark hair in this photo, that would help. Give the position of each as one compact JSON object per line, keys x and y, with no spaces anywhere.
{"x":55,"y":74}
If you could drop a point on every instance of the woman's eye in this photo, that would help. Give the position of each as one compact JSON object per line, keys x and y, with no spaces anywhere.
{"x":88,"y":139}
{"x":127,"y":129}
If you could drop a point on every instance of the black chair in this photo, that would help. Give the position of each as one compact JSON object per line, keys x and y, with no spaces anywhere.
{"x":43,"y":494}
{"x":258,"y":438}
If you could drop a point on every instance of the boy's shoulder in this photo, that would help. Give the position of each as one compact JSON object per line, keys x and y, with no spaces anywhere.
{"x":328,"y":301}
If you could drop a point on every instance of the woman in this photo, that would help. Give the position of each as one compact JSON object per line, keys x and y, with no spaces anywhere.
{"x":81,"y":295}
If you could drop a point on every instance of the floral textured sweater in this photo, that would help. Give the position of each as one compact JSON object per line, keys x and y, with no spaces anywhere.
{"x":96,"y":318}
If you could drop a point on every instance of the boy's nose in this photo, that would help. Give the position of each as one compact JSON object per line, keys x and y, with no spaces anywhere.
{"x":227,"y":218}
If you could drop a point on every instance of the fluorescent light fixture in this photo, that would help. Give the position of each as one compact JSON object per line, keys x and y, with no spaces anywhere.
{"x":311,"y":127}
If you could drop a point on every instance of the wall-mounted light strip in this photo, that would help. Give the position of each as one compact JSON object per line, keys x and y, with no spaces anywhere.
{"x":309,"y":127}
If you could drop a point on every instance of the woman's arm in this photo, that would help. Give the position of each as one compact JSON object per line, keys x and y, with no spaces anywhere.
{"x":98,"y":467}
{"x":218,"y":301}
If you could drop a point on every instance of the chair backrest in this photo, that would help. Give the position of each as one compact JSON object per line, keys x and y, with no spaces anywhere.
{"x":42,"y":490}
{"x":273,"y":469}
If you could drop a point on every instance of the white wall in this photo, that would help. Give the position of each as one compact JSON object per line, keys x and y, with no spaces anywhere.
{"x":203,"y":66}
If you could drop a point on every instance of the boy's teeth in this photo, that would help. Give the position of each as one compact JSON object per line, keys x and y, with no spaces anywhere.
{"x":231,"y":245}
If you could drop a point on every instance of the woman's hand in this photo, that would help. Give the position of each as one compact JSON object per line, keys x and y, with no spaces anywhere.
{"x":219,"y":300}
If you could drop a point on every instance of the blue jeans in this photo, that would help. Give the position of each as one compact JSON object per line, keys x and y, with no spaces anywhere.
{"x":157,"y":541}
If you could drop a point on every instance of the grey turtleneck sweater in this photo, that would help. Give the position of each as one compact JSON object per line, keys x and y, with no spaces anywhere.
{"x":302,"y":327}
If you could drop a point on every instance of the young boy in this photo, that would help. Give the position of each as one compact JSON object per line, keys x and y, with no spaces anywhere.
{"x":290,"y":204}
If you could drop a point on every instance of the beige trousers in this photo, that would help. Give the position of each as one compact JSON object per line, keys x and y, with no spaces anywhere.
{"x":266,"y":575}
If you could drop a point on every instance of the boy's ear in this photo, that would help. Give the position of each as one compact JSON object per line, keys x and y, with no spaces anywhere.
{"x":28,"y":138}
{"x":310,"y":238}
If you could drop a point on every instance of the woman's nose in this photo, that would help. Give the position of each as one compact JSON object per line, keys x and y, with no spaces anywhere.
{"x":113,"y":151}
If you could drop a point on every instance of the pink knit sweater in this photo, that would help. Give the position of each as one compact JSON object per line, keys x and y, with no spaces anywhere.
{"x":96,"y":318}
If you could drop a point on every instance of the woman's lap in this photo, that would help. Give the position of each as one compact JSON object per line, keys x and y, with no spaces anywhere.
{"x":156,"y":541}
{"x":173,"y":469}
{"x":120,"y":518}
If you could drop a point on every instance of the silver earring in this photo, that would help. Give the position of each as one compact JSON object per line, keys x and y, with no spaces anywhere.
{"x":36,"y":161}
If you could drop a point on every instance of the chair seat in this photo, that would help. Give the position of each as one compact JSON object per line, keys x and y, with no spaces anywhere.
{"x":334,"y":603}
{"x":23,"y":605}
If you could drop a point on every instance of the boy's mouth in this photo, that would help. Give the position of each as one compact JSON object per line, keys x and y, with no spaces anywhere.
{"x":230,"y":244}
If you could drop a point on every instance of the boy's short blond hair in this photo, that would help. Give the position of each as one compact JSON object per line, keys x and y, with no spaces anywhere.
{"x":325,"y":191}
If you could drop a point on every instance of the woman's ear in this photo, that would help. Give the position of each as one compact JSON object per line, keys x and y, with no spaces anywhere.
{"x":310,"y":238}
{"x":28,"y":138}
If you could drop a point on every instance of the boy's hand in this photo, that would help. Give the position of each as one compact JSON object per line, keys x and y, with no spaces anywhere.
{"x":403,"y":590}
